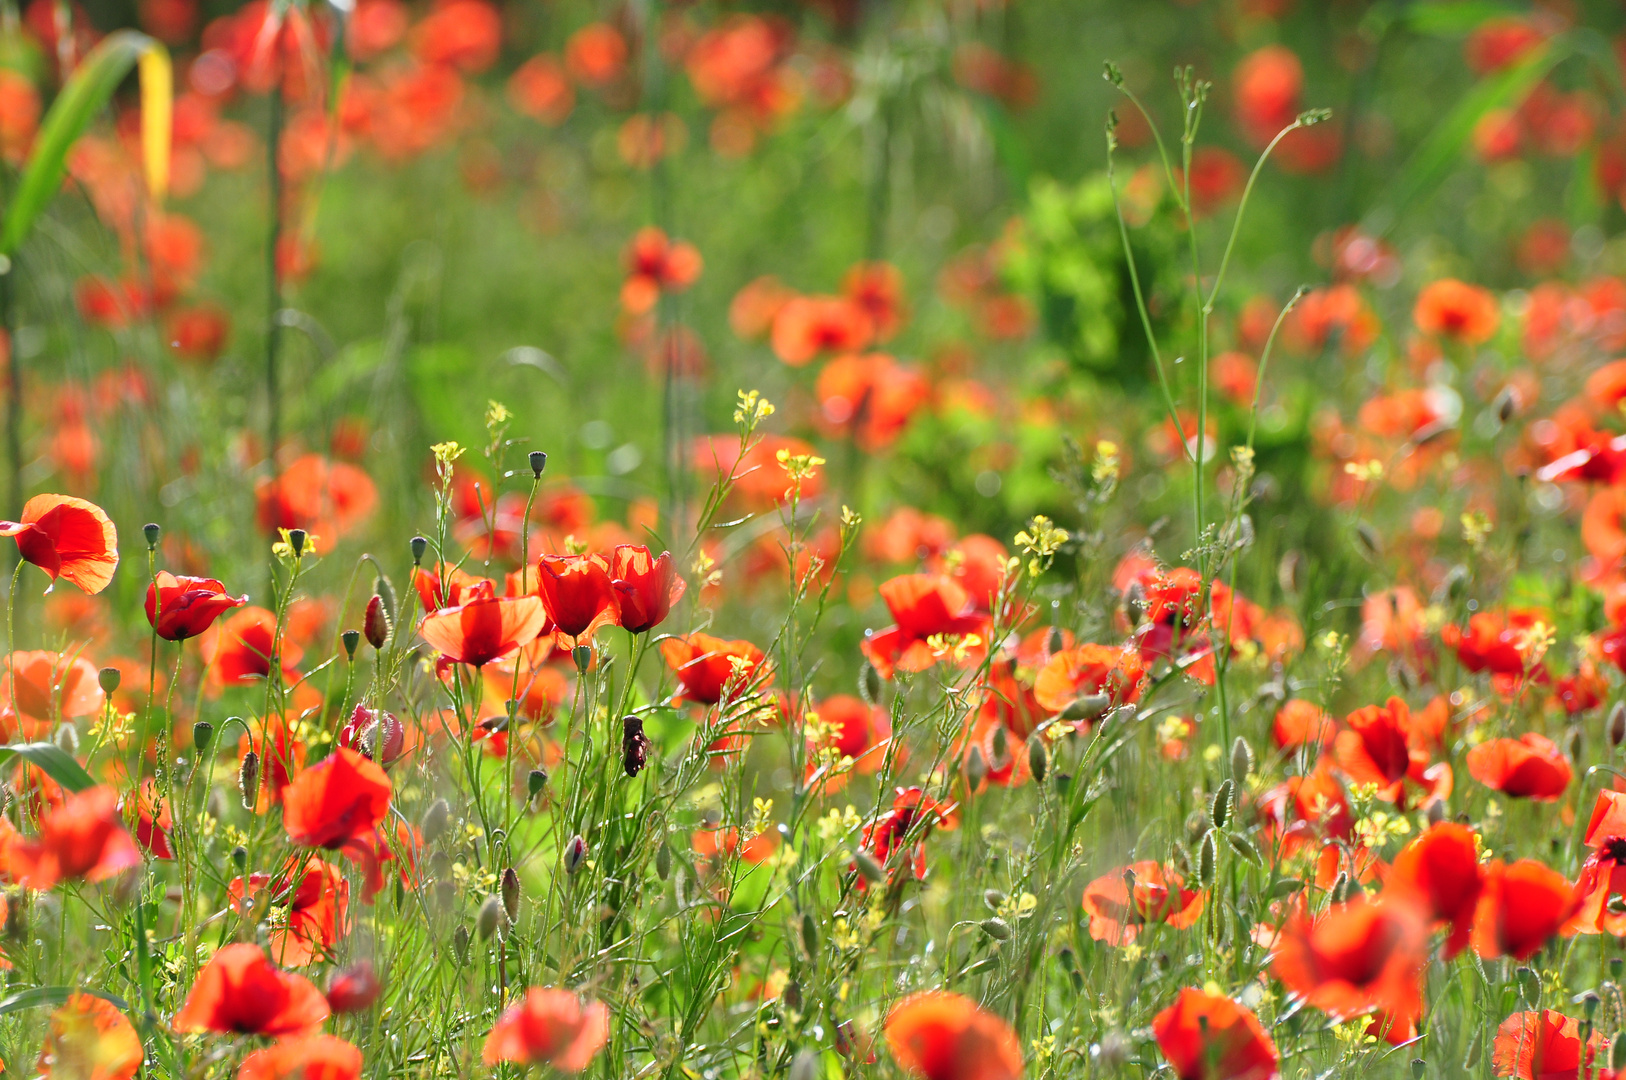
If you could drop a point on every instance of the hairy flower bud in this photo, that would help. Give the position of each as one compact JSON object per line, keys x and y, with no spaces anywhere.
{"x":1617,"y":724}
{"x":376,"y":623}
{"x":810,"y":935}
{"x":248,"y":778}
{"x":460,"y":945}
{"x":663,"y":861}
{"x":575,"y":853}
{"x":1219,"y":811}
{"x":996,"y":928}
{"x":868,"y":868}
{"x":869,"y":683}
{"x":489,"y":918}
{"x":1206,"y":856}
{"x":1241,"y":760}
{"x":432,"y":826}
{"x":510,"y":893}
{"x":1038,"y":759}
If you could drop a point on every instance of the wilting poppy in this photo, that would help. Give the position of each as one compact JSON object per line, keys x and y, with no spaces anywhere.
{"x":1529,"y":767}
{"x":83,"y":839}
{"x":578,"y":595}
{"x":90,"y":1039}
{"x":707,"y":665}
{"x":353,"y":989}
{"x":549,"y":1027}
{"x":1453,"y":309}
{"x":645,"y":587}
{"x":310,"y":1057}
{"x":1121,"y":901}
{"x":1521,"y":907}
{"x":1439,"y":871}
{"x":67,"y":537}
{"x":923,"y":606}
{"x":1210,"y":1037}
{"x":240,"y":991}
{"x":1545,"y":1045}
{"x":336,"y":800}
{"x":1357,"y":958}
{"x":184,"y":607}
{"x":937,"y":1035}
{"x":484,"y":627}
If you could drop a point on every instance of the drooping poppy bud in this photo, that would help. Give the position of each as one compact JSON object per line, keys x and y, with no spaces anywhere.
{"x":376,"y":623}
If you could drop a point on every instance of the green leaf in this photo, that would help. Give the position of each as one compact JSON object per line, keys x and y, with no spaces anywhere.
{"x":53,"y":761}
{"x":36,"y":996}
{"x":86,"y":94}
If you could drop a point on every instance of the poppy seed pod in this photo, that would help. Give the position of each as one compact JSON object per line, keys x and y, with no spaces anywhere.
{"x":203,"y":733}
{"x":435,"y":820}
{"x":239,"y":857}
{"x":510,"y":893}
{"x":575,"y":853}
{"x":376,"y":623}
{"x":1589,"y":1005}
{"x":351,"y":639}
{"x":489,"y":918}
{"x":870,"y":870}
{"x":460,"y":945}
{"x":419,"y":545}
{"x":810,"y":935}
{"x":248,"y":778}
{"x":1241,"y":760}
{"x":152,"y":531}
{"x":296,"y":541}
{"x":539,"y":463}
{"x":1038,"y":759}
{"x":583,"y":656}
{"x":535,"y":781}
{"x":1219,"y":811}
{"x":108,"y":679}
{"x":1617,"y":724}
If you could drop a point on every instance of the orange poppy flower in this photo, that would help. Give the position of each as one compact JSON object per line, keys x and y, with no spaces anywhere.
{"x":805,"y":326}
{"x":549,"y":1027}
{"x":1453,"y":309}
{"x":1300,"y":723}
{"x":923,"y":606}
{"x":443,"y":586}
{"x":1502,"y":643}
{"x":646,"y":587}
{"x":83,"y":839}
{"x":1113,"y":671}
{"x":578,"y":595}
{"x":1267,"y":85}
{"x":1521,"y":907}
{"x":1603,"y":525}
{"x":310,"y":1057}
{"x":1373,"y":747}
{"x":712,"y":843}
{"x":240,"y":991}
{"x":1210,"y":1037}
{"x":484,"y":627}
{"x":184,"y":607}
{"x":877,"y":288}
{"x":656,"y":264}
{"x":240,"y":650}
{"x":937,"y":1035}
{"x":1546,"y":1045}
{"x":40,"y":687}
{"x":1529,"y":767}
{"x":316,"y":897}
{"x":596,"y":54}
{"x":707,"y":666}
{"x":852,"y":730}
{"x":1603,"y":874}
{"x":540,"y":89}
{"x":281,"y":753}
{"x":338,"y":799}
{"x":69,"y":538}
{"x":751,"y":313}
{"x":869,"y":396}
{"x":90,"y":1039}
{"x":1357,"y":958}
{"x":465,"y":34}
{"x":1121,"y":901}
{"x":328,"y":499}
{"x":1439,"y":871}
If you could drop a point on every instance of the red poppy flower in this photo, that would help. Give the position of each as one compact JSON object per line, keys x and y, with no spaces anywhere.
{"x":375,"y":734}
{"x":540,"y":89}
{"x":1267,"y":85}
{"x":443,"y":586}
{"x":1603,"y":875}
{"x":707,"y":665}
{"x":852,"y":730}
{"x":937,"y":1035}
{"x":869,"y":396}
{"x":1373,"y":747}
{"x":83,"y":839}
{"x":549,"y":1027}
{"x":184,"y":607}
{"x":711,"y":843}
{"x":310,"y":1057}
{"x":316,"y":897}
{"x":1357,"y":958}
{"x":67,"y":537}
{"x":1439,"y":871}
{"x":923,"y":606}
{"x":878,"y":288}
{"x":353,"y":989}
{"x":1300,"y":723}
{"x":465,"y":34}
{"x":484,"y":627}
{"x":1113,"y":671}
{"x":326,"y":499}
{"x":1501,"y":643}
{"x":805,"y":326}
{"x":1529,"y":767}
{"x":239,"y":650}
{"x":336,"y":800}
{"x":240,"y":991}
{"x":1121,"y":901}
{"x":596,"y":54}
{"x":1210,"y":1037}
{"x":646,"y":587}
{"x":1452,"y":309}
{"x":578,"y":594}
{"x":1546,"y":1045}
{"x":1521,"y":907}
{"x":154,"y":819}
{"x":656,"y":264}
{"x":198,"y":333}
{"x":90,"y":1039}
{"x":40,"y":687}
{"x":901,"y":831}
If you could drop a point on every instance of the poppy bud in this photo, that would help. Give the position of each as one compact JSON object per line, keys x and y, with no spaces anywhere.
{"x":67,"y":739}
{"x":1417,"y":1067}
{"x":805,"y":1066}
{"x":1454,"y":585}
{"x":1038,"y":759}
{"x":1617,"y":724}
{"x":1529,"y":984}
{"x":1435,"y":811}
{"x":1001,"y":746}
{"x":535,"y":781}
{"x":490,"y":917}
{"x":1054,"y":642}
{"x":635,"y":745}
{"x":1241,"y":760}
{"x":1206,"y":857}
{"x":1572,"y":743}
{"x":510,"y":893}
{"x":351,"y":639}
{"x":575,"y":854}
{"x":663,"y":861}
{"x":419,"y":545}
{"x":460,"y":945}
{"x":1367,"y":540}
{"x":1244,"y":847}
{"x":203,"y":733}
{"x":248,"y":778}
{"x":976,"y":768}
{"x":1290,"y":573}
{"x":993,"y":898}
{"x":1219,"y":811}
{"x":1087,"y":707}
{"x":996,"y":928}
{"x":791,"y":995}
{"x":810,"y":935}
{"x":108,"y":679}
{"x":435,"y":820}
{"x":539,"y":462}
{"x":583,"y":656}
{"x":870,"y":870}
{"x":869,"y":683}
{"x":296,"y":541}
{"x":376,"y":623}
{"x":1507,"y":403}
{"x":1340,"y":887}
{"x":1617,"y":1052}
{"x":153,"y":531}
{"x":239,"y":857}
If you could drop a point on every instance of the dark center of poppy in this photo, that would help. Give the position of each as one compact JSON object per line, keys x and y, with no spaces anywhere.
{"x":1614,"y":849}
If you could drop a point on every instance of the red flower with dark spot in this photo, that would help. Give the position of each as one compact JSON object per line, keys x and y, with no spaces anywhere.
{"x":69,"y":538}
{"x":1522,"y":906}
{"x":335,"y":801}
{"x":1210,"y":1037}
{"x":242,"y":992}
{"x":184,"y":607}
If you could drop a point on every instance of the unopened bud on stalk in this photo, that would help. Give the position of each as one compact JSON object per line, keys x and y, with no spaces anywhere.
{"x":635,"y":745}
{"x":248,"y":778}
{"x":1417,"y":1067}
{"x":67,"y":739}
{"x":1001,"y":746}
{"x":460,"y":945}
{"x":296,"y":541}
{"x":1617,"y":724}
{"x":583,"y":656}
{"x":870,"y":870}
{"x":152,"y":532}
{"x":996,"y":928}
{"x":376,"y":623}
{"x":535,"y":781}
{"x":510,"y":893}
{"x":239,"y":857}
{"x":1572,"y":743}
{"x":993,"y":898}
{"x":1241,"y":760}
{"x":351,"y":639}
{"x":1087,"y":707}
{"x":1507,"y":403}
{"x":1340,"y":888}
{"x":663,"y":861}
{"x":489,"y":919}
{"x":575,"y":853}
{"x":203,"y":733}
{"x":810,"y":935}
{"x":1219,"y":811}
{"x":108,"y":679}
{"x":1206,"y":857}
{"x":1617,"y":1052}
{"x":976,"y":767}
{"x":1038,"y":759}
{"x":435,"y":820}
{"x":869,"y":683}
{"x":539,"y":463}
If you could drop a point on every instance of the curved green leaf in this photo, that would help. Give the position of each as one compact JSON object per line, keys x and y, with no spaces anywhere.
{"x":53,"y":761}
{"x":85,"y":95}
{"x":36,"y":996}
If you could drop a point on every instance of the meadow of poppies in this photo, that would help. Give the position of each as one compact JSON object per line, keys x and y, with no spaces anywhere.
{"x":804,"y":539}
